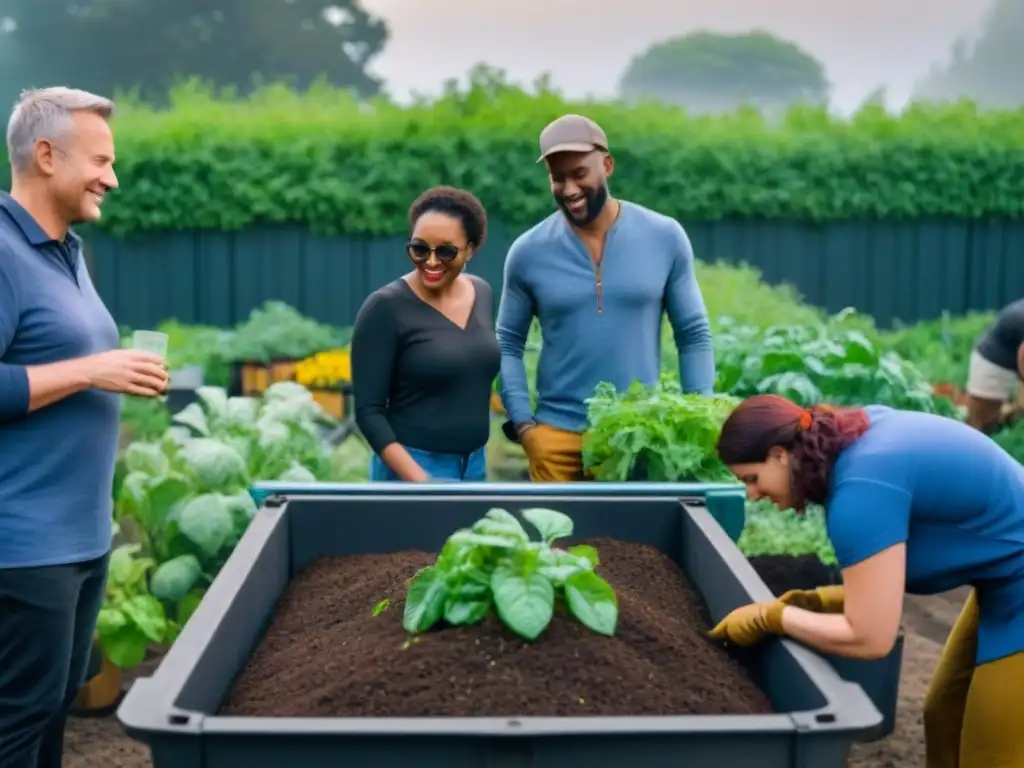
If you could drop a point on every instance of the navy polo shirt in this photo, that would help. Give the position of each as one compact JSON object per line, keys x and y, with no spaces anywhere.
{"x":56,"y":463}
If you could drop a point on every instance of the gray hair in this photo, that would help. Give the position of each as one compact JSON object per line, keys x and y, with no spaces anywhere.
{"x":46,"y":114}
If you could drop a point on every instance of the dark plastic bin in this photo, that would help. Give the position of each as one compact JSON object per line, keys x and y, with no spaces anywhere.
{"x":726,"y":503}
{"x":174,"y":710}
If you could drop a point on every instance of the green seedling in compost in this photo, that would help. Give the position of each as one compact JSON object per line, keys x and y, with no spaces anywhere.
{"x":380,"y":607}
{"x":496,"y":565}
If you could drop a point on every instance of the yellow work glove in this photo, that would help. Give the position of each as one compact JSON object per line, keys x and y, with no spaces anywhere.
{"x":820,"y":600}
{"x":750,"y":624}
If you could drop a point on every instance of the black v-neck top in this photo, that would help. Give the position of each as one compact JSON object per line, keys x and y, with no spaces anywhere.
{"x":417,"y":378}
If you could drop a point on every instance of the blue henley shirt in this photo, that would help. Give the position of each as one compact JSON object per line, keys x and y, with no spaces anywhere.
{"x":593,"y":333}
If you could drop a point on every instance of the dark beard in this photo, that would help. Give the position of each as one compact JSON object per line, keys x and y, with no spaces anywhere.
{"x":596,"y":200}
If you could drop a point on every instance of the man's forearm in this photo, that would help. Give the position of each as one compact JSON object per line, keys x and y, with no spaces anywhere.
{"x":515,"y":389}
{"x":696,"y":357}
{"x":47,"y":384}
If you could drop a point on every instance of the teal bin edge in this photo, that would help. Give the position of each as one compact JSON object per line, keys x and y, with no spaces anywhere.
{"x":725,"y":502}
{"x":729,"y":508}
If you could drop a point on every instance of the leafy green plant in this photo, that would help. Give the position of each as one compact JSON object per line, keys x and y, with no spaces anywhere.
{"x":670,"y":434}
{"x":940,"y":348}
{"x":277,"y":331}
{"x":1011,"y":439}
{"x":771,"y":531}
{"x":211,"y":161}
{"x":495,"y":564}
{"x":184,"y":498}
{"x":823,"y":363}
{"x":131,"y":618}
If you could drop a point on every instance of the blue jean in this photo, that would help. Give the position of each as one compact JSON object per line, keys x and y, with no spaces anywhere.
{"x":450,"y":467}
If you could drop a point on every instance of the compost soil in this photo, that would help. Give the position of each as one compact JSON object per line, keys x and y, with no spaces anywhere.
{"x":326,"y":655}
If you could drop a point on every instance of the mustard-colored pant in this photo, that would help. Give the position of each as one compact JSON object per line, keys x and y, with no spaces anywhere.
{"x":974,"y":715}
{"x":555,"y":455}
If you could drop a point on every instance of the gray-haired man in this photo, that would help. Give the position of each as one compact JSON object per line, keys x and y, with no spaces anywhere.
{"x":60,"y":375}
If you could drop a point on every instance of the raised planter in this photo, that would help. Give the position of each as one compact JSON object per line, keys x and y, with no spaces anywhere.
{"x":336,"y":401}
{"x":819,"y":715}
{"x":879,"y":678}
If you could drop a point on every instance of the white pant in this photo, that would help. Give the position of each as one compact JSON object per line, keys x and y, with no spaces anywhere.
{"x":988,"y":381}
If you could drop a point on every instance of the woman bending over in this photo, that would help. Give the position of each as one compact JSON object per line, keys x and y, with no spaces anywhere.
{"x":914,"y":503}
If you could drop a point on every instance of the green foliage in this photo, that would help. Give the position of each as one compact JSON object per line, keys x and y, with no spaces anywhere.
{"x":150,"y":44}
{"x":711,"y":71}
{"x":131,"y":618}
{"x":277,"y":331}
{"x":771,"y":531}
{"x":495,"y":564}
{"x":184,"y":500}
{"x":325,"y":160}
{"x":940,"y":348}
{"x":1011,"y":438}
{"x":825,"y":363}
{"x":671,"y":435}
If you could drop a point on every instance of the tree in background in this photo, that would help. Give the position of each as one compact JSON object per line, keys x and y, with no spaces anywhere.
{"x":987,"y":71}
{"x":148,"y":45}
{"x":712,"y":72}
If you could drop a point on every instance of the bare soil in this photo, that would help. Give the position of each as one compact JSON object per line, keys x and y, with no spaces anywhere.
{"x":323,"y":656}
{"x":101,"y":743}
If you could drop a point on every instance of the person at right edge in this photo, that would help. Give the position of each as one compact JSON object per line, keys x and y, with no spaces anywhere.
{"x":598,"y":273}
{"x":914,"y":503}
{"x":996,"y":371}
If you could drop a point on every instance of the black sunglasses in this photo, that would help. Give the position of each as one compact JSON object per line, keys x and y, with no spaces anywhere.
{"x":421,"y":251}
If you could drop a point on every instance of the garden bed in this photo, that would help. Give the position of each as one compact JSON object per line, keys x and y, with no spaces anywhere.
{"x":325,"y":655}
{"x":284,"y":608}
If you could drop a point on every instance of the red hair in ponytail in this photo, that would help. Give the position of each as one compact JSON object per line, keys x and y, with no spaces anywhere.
{"x":814,"y":438}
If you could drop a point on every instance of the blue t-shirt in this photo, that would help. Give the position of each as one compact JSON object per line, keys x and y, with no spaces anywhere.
{"x":954,"y":497}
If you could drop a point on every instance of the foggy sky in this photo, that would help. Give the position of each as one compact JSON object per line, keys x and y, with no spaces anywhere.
{"x":863,"y":43}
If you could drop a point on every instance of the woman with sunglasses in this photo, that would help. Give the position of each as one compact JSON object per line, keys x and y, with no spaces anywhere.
{"x":915,"y":503}
{"x":424,"y":351}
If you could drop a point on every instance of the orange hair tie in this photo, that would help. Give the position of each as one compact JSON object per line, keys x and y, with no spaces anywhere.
{"x":806,"y":419}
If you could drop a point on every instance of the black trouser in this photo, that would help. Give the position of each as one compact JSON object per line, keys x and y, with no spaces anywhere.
{"x":47,"y":620}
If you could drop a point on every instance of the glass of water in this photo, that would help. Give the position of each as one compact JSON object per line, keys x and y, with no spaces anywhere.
{"x":150,"y":341}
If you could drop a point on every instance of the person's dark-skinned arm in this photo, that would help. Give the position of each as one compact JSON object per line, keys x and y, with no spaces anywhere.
{"x":374,"y":351}
{"x":515,"y":313}
{"x":28,"y":388}
{"x":689,"y":319}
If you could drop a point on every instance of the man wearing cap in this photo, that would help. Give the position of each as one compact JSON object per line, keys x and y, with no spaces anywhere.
{"x":597,"y":273}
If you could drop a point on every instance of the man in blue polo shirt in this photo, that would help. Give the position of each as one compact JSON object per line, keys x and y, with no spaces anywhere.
{"x":61,"y":373}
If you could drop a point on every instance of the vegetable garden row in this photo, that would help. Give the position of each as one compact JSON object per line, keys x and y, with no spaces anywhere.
{"x":181,"y":501}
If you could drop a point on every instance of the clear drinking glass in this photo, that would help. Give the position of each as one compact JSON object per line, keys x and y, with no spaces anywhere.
{"x":150,"y":341}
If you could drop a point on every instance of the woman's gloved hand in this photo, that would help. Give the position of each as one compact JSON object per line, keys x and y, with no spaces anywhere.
{"x":750,"y":624}
{"x":820,"y":600}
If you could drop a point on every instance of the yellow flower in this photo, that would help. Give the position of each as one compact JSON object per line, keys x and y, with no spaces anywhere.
{"x":325,"y":369}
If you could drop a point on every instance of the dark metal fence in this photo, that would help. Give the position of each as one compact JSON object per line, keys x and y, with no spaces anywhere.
{"x":892,"y":270}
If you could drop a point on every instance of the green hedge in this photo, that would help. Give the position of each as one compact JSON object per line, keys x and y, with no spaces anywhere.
{"x":322,"y":160}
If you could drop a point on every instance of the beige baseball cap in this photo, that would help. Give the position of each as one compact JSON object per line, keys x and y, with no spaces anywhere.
{"x":571,"y":133}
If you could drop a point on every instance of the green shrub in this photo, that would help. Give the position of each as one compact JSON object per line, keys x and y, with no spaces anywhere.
{"x":324,"y":160}
{"x":941,"y":348}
